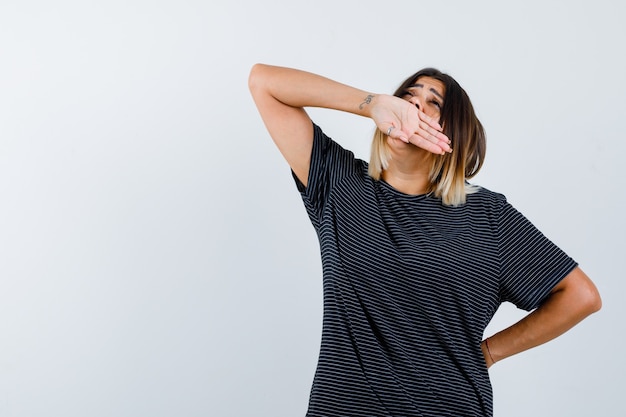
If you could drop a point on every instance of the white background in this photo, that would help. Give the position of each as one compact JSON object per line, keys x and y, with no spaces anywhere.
{"x":155,"y":257}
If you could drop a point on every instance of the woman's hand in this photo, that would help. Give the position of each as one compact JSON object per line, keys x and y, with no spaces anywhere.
{"x":403,"y":121}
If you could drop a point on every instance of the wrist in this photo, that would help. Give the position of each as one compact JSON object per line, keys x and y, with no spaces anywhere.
{"x":366,"y":104}
{"x":489,"y":360}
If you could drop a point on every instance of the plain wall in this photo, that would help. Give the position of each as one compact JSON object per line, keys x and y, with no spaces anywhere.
{"x":155,"y":256}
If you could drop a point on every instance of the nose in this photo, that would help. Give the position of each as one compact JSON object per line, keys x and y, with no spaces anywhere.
{"x":414,"y":100}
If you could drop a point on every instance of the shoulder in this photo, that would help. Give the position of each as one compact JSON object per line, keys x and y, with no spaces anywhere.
{"x":340,"y":160}
{"x":484,"y":197}
{"x":330,"y":166}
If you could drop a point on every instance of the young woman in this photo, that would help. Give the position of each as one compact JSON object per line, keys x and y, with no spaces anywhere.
{"x":416,"y":259}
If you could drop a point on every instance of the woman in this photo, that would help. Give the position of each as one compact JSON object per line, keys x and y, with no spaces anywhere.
{"x":416,"y":260}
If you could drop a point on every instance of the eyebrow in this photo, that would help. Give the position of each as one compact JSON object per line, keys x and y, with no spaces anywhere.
{"x":432,"y":90}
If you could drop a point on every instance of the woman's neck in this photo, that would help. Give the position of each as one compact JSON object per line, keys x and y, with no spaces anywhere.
{"x":408,"y":173}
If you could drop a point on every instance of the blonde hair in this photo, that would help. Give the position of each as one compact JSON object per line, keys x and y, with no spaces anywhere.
{"x":448,"y":173}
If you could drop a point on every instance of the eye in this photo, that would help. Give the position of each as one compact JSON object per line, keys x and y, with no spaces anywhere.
{"x":436,"y":104}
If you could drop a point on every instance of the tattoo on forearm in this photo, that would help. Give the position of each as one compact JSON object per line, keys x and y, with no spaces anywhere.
{"x":367,"y":100}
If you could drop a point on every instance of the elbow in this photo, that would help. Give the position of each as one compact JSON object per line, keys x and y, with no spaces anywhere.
{"x":255,"y":76}
{"x":589,"y":298}
{"x":595,"y":304}
{"x":581,"y":294}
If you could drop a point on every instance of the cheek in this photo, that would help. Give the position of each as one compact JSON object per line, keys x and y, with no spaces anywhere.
{"x":433,"y":113}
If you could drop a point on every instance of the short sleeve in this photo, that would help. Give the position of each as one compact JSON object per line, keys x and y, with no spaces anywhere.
{"x":329,"y":164}
{"x":530,"y":264}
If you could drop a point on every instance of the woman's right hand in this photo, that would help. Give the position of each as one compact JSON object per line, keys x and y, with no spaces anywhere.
{"x":406,"y":122}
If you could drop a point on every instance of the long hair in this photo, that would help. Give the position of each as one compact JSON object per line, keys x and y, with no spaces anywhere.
{"x":449,"y":172}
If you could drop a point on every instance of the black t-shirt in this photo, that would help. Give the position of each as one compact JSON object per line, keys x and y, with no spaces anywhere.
{"x":409,"y":286}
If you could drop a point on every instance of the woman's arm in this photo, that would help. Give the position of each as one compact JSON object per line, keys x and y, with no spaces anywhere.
{"x":570,"y":301}
{"x":281,"y":94}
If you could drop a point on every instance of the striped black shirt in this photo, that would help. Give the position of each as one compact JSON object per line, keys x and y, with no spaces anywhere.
{"x":409,"y":287}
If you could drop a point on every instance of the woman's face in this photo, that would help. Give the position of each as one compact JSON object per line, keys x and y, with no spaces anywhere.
{"x":427,"y":94}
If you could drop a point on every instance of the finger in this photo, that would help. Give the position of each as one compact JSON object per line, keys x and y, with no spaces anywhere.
{"x":437,"y":138}
{"x":396,"y":133}
{"x":429,"y":120}
{"x":428,"y":145}
{"x":432,"y":127}
{"x":428,"y":131}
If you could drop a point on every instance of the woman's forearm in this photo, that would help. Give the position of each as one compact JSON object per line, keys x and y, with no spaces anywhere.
{"x":298,"y":88}
{"x":573,"y":299}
